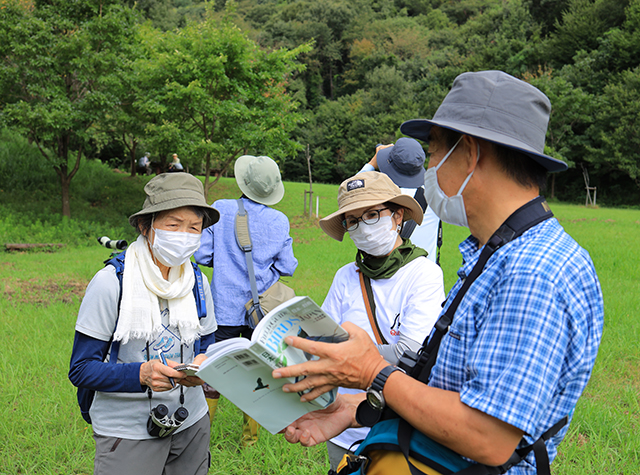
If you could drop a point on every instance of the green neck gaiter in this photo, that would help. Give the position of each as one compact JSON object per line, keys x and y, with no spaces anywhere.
{"x":386,"y":266}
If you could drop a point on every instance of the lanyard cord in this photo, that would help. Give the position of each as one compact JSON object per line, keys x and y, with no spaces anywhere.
{"x":150,"y":391}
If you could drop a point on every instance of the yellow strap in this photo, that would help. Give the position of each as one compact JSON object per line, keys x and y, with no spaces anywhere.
{"x":384,"y":462}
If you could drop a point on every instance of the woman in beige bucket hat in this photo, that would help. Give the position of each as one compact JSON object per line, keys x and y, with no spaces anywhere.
{"x":406,"y":288}
{"x":151,"y":316}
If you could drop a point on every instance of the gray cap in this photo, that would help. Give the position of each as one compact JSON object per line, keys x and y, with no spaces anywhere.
{"x":497,"y":107}
{"x":403,"y":163}
{"x":259,"y":179}
{"x":175,"y":190}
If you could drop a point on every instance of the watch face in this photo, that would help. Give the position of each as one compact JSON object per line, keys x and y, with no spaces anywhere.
{"x":375,"y":399}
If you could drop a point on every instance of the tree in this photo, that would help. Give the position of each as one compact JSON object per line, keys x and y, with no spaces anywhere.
{"x":57,"y":73}
{"x":229,"y":95}
{"x":616,"y":144}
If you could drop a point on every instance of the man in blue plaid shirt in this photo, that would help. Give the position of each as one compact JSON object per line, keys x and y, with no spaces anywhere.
{"x":525,"y":336}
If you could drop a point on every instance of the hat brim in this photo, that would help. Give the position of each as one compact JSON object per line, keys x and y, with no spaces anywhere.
{"x":240,"y":169}
{"x":332,"y":224}
{"x":400,"y":179}
{"x":211,"y":215}
{"x":421,"y":128}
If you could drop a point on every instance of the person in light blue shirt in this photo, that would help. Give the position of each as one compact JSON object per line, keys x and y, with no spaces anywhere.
{"x":523,"y":340}
{"x":259,"y":180}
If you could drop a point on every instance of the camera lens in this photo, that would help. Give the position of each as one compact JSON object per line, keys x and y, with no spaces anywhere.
{"x":180,"y":415}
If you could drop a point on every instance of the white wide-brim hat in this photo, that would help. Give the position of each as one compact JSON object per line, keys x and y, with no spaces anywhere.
{"x":259,"y":179}
{"x":365,"y":190}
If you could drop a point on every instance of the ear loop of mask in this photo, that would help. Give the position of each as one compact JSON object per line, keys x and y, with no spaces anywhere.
{"x":464,"y":183}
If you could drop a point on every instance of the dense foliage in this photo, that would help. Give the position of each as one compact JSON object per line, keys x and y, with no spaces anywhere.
{"x":212,"y":80}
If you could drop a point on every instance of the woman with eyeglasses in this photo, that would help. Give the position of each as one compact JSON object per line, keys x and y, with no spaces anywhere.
{"x":391,"y":290}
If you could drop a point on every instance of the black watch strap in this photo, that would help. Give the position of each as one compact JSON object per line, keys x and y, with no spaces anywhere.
{"x":366,"y":415}
{"x":380,"y":380}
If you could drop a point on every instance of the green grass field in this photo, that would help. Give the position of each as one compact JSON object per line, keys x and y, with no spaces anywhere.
{"x":40,"y":292}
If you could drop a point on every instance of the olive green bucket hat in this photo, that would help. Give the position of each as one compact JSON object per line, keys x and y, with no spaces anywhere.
{"x":259,"y":179}
{"x":175,"y":190}
{"x":365,"y":190}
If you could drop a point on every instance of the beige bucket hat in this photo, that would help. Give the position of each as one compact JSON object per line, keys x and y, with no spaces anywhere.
{"x":259,"y":179}
{"x":175,"y":190}
{"x":365,"y":190}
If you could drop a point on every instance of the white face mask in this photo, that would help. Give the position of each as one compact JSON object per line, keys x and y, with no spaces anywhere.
{"x":376,"y":239}
{"x":174,"y":248}
{"x":449,"y":209}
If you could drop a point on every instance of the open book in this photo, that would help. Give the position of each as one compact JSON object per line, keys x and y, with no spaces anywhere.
{"x":240,"y":369}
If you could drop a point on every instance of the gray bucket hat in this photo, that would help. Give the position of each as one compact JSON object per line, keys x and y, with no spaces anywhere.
{"x":175,"y":190}
{"x":259,"y":179}
{"x":365,"y":190}
{"x":403,"y":163}
{"x":497,"y":107}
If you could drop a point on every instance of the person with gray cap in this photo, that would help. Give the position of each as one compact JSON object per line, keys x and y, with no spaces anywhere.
{"x":141,"y":316}
{"x":403,"y":162}
{"x":261,"y":185}
{"x":518,"y":336}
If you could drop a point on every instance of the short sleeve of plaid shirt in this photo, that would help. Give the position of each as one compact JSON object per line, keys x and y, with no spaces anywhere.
{"x":525,"y":337}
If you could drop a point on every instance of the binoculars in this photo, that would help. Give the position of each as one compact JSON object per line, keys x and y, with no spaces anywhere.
{"x":161,"y":424}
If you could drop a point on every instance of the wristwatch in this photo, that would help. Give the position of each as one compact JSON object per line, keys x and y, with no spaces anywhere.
{"x":374,"y":392}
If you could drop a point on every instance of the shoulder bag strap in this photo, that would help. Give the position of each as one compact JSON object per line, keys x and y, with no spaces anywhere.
{"x":409,"y":226}
{"x":370,"y":305}
{"x":243,"y":238}
{"x":524,"y":218}
{"x":439,"y":241}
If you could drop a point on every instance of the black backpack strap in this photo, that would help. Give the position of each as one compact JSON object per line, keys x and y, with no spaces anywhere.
{"x":539,"y":449}
{"x":118,"y":262}
{"x":201,"y":304}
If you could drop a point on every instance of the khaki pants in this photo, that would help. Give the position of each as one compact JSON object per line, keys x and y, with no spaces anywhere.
{"x":184,"y":453}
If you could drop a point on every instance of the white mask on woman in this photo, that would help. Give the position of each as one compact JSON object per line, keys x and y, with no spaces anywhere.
{"x":449,"y":209}
{"x":174,"y":248}
{"x":376,"y":239}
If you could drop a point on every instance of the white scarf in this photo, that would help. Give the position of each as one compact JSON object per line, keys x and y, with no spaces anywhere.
{"x":143,"y":285}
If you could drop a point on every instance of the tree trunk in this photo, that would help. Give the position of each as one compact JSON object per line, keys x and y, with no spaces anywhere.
{"x":65,"y":181}
{"x":207,"y":174}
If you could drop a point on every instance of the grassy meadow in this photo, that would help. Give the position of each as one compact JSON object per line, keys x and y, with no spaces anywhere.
{"x":40,"y":293}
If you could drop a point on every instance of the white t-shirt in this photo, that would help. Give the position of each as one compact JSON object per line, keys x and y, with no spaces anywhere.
{"x":409,"y":302}
{"x":426,"y":234}
{"x":125,"y":415}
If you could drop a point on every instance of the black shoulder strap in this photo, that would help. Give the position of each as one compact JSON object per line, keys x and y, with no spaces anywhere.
{"x":524,"y":218}
{"x":439,"y":241}
{"x":409,"y":226}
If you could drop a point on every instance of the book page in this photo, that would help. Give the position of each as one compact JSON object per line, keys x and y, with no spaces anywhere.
{"x":300,"y":317}
{"x":246,"y":381}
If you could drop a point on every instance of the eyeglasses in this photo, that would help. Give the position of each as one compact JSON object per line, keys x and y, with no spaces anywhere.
{"x":369,"y":217}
